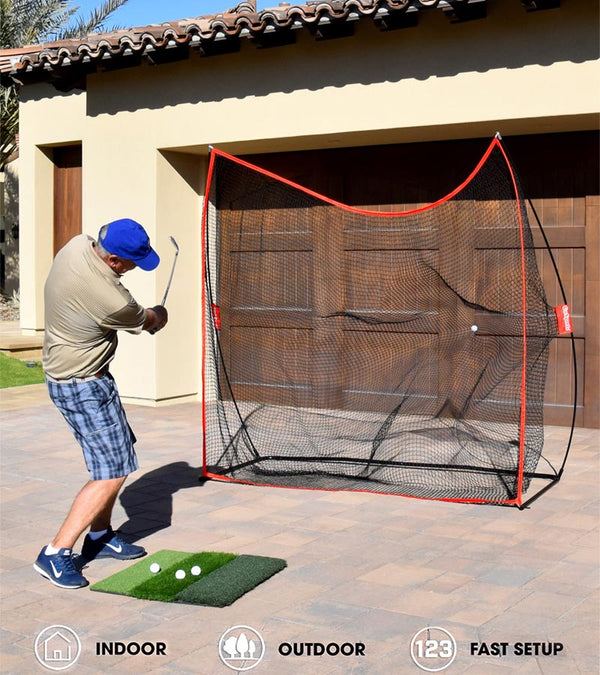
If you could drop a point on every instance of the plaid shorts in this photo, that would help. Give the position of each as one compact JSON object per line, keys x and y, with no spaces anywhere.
{"x":94,"y":413}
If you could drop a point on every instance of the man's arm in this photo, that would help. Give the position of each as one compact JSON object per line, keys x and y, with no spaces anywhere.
{"x":156,"y":318}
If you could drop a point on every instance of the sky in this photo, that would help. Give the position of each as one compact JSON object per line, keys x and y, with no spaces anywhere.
{"x":144,"y":12}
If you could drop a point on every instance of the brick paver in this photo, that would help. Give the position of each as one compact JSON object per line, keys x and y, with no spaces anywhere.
{"x":361,"y":567}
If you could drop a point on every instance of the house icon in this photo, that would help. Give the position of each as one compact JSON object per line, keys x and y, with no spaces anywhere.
{"x":57,"y":647}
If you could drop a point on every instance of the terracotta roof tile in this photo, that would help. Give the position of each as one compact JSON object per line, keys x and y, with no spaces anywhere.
{"x":46,"y":61}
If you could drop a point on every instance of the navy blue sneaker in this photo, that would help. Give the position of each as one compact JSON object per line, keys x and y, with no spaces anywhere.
{"x":59,"y":568}
{"x":110,"y":545}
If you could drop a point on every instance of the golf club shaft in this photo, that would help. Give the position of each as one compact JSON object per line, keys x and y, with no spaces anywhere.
{"x":170,"y":279}
{"x":164,"y":300}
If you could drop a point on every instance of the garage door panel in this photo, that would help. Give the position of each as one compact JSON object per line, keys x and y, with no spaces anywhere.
{"x":272,"y":279}
{"x":391,"y":363}
{"x":560,"y":382}
{"x":271,"y":357}
{"x":390,"y":283}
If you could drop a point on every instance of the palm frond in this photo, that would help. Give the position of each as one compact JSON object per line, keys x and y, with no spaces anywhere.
{"x":9,"y":122}
{"x":27,"y":22}
{"x":95,"y":22}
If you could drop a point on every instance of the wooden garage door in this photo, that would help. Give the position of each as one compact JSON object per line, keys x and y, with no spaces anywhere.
{"x":559,"y":172}
{"x":67,"y":194}
{"x":288,"y":295}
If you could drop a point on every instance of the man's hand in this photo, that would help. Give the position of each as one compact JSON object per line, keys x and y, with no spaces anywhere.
{"x":156,"y":319}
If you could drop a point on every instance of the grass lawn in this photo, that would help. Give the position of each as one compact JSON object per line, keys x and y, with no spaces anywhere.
{"x":14,"y":373}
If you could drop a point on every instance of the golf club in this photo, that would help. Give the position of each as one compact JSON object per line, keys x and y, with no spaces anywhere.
{"x":172,"y":271}
{"x":164,"y":300}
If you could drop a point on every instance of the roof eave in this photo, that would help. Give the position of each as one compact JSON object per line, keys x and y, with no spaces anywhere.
{"x":67,"y":63}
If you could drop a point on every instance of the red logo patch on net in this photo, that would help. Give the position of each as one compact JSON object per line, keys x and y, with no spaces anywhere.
{"x":563,"y":317}
{"x":216,"y":312}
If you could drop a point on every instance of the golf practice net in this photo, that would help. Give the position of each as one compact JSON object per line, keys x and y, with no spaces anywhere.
{"x":400,"y":353}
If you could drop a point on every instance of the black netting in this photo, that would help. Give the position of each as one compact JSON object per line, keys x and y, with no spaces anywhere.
{"x":401,"y":353}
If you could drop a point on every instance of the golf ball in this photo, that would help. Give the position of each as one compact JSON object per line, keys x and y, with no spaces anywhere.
{"x":154,"y":568}
{"x":180,"y":574}
{"x":474,"y":328}
{"x":196,"y":570}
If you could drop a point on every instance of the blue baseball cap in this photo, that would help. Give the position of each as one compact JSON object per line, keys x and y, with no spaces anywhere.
{"x":128,"y":239}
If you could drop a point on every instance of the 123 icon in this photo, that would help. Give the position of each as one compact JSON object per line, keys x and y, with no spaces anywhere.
{"x":433,"y":649}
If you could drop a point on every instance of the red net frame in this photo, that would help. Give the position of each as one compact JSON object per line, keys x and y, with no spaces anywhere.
{"x":217,"y":465}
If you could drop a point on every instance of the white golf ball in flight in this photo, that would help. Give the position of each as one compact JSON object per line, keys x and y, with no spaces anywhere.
{"x":154,"y":568}
{"x":196,"y":570}
{"x":180,"y":574}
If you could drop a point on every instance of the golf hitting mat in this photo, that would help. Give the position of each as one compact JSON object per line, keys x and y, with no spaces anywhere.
{"x":401,"y":352}
{"x":207,"y":578}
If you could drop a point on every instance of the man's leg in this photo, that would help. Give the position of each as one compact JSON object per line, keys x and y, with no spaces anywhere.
{"x":92,"y":506}
{"x":102,"y":520}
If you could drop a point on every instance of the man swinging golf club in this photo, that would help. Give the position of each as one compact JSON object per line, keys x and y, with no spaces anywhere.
{"x":85,"y":306}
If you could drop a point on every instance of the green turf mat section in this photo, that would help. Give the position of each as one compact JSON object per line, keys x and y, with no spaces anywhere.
{"x":123,"y":582}
{"x":228,"y":583}
{"x":224,"y":578}
{"x":166,"y":587}
{"x":139,"y":582}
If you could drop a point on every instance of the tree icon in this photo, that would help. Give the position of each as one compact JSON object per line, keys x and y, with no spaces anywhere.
{"x":242,"y":644}
{"x":229,"y":646}
{"x":245,"y":646}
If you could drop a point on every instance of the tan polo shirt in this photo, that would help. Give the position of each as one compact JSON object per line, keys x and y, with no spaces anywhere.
{"x":85,"y":306}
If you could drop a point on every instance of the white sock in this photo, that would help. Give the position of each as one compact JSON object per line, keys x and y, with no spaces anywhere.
{"x":96,"y":535}
{"x":50,"y":550}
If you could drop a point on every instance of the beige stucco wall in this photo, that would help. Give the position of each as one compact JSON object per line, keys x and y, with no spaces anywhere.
{"x":145,"y":133}
{"x":47,"y":118}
